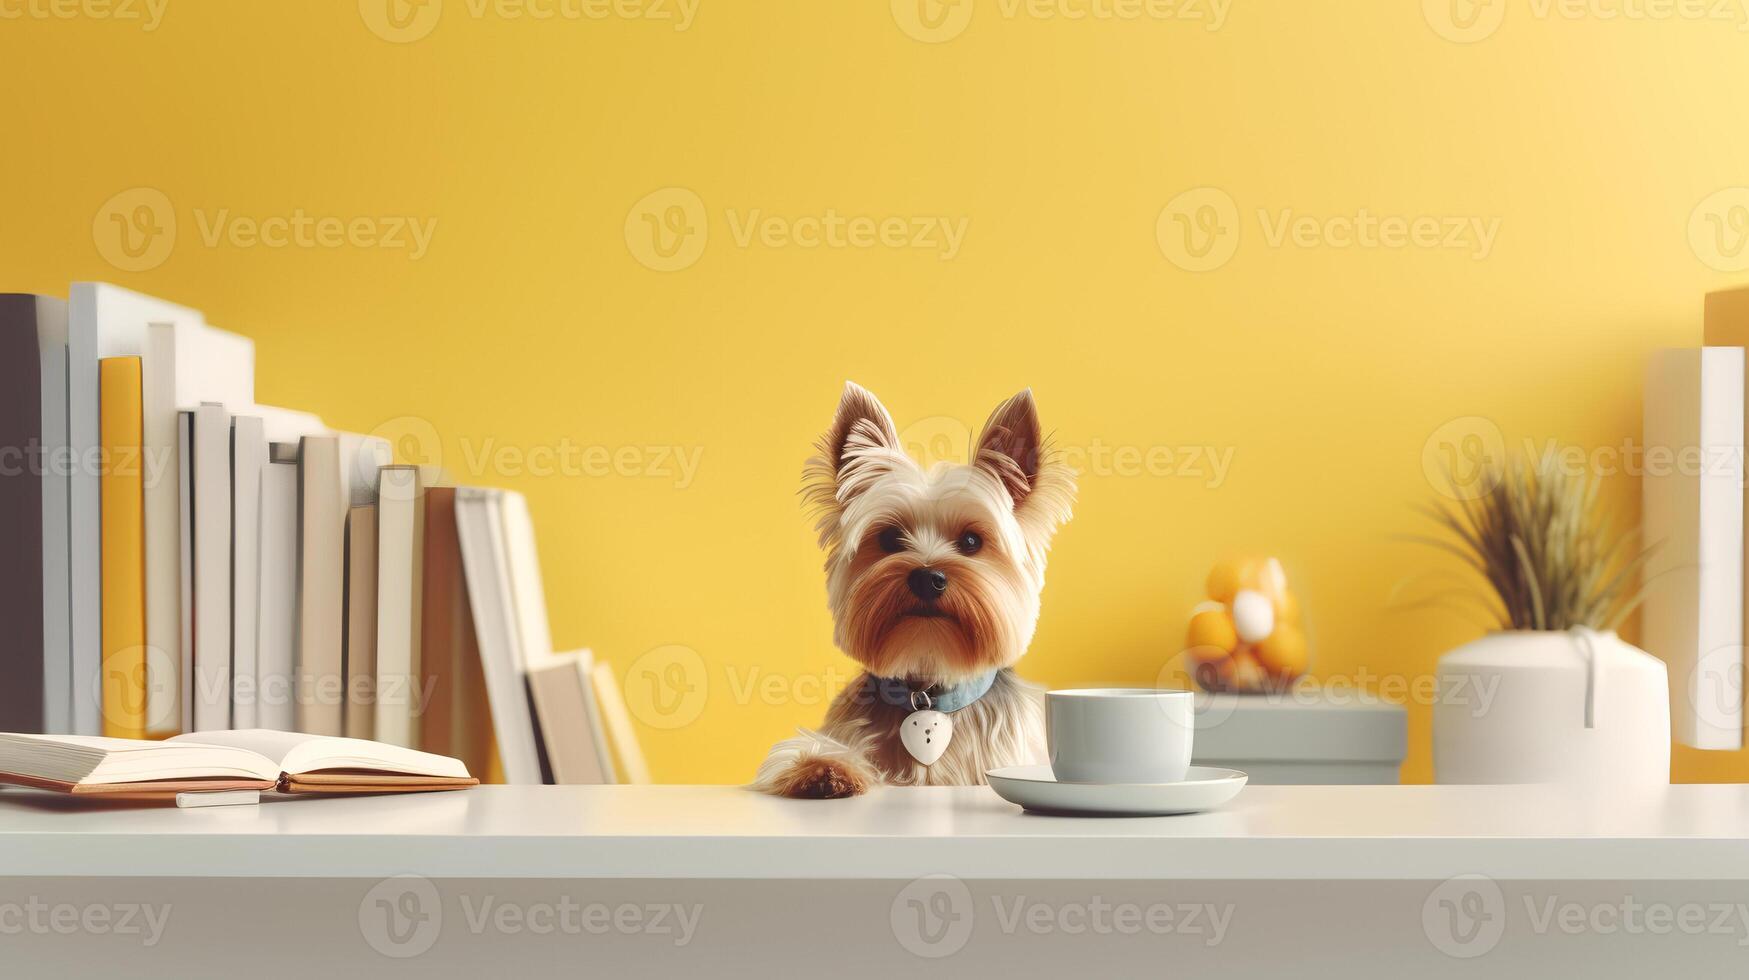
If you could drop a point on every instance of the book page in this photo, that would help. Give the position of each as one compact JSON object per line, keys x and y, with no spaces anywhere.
{"x":101,"y":743}
{"x":265,"y":741}
{"x":299,"y":753}
{"x":95,"y":760}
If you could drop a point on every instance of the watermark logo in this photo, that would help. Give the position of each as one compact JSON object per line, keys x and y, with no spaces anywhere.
{"x":1715,"y":688}
{"x":1198,"y":230}
{"x":135,"y":230}
{"x":401,"y":21}
{"x":933,"y":917}
{"x":1464,"y":21}
{"x":667,"y":687}
{"x":401,"y":917}
{"x":1464,"y":917}
{"x":667,"y":229}
{"x":1469,"y":21}
{"x":126,"y":686}
{"x":1465,"y":458}
{"x":936,"y":439}
{"x":932,"y":21}
{"x":1718,"y":230}
{"x":411,"y":440}
{"x":135,"y":689}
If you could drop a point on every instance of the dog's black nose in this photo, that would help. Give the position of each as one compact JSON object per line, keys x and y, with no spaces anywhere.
{"x":927,"y":583}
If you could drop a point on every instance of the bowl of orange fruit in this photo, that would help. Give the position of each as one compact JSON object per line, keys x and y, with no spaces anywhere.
{"x":1246,"y":636}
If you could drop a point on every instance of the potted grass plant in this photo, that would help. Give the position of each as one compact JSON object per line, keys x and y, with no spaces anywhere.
{"x":1551,"y":693}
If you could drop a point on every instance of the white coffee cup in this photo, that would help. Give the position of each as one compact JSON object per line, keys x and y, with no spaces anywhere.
{"x":1119,"y":735}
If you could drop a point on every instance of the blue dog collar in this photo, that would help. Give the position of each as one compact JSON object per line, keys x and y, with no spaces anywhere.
{"x":897,"y":692}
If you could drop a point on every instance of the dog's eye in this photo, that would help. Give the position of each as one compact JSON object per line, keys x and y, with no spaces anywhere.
{"x":891,"y":540}
{"x":969,"y":543}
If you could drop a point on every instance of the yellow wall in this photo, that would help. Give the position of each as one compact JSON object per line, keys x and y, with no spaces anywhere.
{"x":530,"y":322}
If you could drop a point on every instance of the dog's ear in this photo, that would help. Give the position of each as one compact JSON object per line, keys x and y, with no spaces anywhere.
{"x":860,"y":428}
{"x":1013,"y":448}
{"x":859,"y":448}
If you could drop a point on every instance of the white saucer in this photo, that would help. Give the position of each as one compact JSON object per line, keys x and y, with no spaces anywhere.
{"x":1036,"y":789}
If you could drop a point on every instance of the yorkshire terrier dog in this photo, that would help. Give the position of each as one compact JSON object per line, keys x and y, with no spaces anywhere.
{"x":933,"y":579}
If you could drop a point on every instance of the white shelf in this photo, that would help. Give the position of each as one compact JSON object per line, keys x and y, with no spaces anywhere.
{"x":1696,"y":832}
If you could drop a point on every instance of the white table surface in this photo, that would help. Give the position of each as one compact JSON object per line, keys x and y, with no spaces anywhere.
{"x":1269,"y":832}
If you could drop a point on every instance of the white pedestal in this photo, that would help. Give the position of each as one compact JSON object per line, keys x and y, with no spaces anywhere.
{"x":1308,"y":736}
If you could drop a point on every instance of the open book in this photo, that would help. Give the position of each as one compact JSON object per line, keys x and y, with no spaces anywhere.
{"x":252,"y":759}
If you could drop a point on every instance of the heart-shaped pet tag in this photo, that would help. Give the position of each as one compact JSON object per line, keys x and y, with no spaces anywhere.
{"x":925,"y":735}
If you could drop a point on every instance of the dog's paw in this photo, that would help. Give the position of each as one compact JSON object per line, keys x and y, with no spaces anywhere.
{"x":813,"y":766}
{"x":823,"y":779}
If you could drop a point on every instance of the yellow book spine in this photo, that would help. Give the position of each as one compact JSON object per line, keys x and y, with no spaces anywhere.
{"x":123,"y":536}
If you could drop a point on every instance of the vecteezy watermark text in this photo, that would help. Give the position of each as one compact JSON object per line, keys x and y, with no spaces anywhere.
{"x":565,"y":458}
{"x":937,"y":21}
{"x":934,"y":916}
{"x":1470,"y":21}
{"x":667,"y":230}
{"x":1200,"y":230}
{"x":147,"y":13}
{"x":136,"y":230}
{"x":395,"y":233}
{"x":1466,"y":916}
{"x":33,"y":916}
{"x":403,"y":917}
{"x":1466,"y":457}
{"x":406,"y":21}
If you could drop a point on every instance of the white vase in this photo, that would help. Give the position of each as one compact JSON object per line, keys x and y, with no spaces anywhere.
{"x":1526,"y":706}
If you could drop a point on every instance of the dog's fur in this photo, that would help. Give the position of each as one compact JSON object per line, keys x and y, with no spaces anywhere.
{"x":1013,"y":496}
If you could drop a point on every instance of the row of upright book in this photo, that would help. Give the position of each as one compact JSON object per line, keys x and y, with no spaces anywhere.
{"x":178,"y":557}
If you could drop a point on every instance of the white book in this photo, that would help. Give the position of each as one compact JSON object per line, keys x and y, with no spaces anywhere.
{"x":338,"y":472}
{"x":183,"y":363}
{"x":618,"y":723}
{"x":563,"y":690}
{"x":360,"y":651}
{"x":51,"y":321}
{"x":321,"y":680}
{"x":585,"y":661}
{"x":108,"y":321}
{"x":528,"y":595}
{"x":248,"y":458}
{"x":221,"y":797}
{"x":277,"y":578}
{"x":1693,"y":515}
{"x":480,"y":529}
{"x":211,"y":545}
{"x":400,"y":563}
{"x":185,"y":575}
